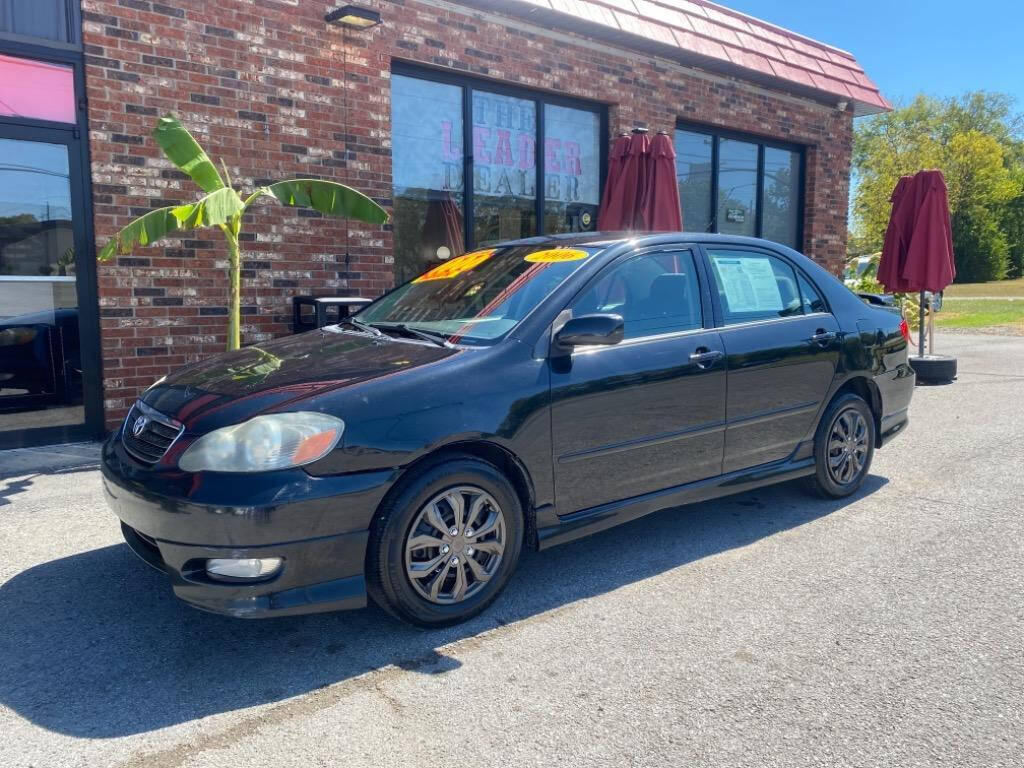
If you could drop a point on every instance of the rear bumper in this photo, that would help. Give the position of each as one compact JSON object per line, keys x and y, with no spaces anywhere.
{"x":320,"y":535}
{"x":895,"y":388}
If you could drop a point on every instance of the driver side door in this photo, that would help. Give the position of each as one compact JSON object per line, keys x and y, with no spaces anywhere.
{"x":647,"y":413}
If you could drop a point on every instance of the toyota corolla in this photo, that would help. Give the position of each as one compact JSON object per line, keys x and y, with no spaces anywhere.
{"x":518,"y":396}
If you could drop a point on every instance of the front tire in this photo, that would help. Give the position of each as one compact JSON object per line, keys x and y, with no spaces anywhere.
{"x":843,"y":448}
{"x":445,"y":543}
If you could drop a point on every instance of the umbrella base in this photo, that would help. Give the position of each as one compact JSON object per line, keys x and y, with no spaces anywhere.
{"x":934,"y":369}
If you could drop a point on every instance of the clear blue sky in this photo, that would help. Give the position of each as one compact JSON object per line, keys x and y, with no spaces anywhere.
{"x":941,"y":47}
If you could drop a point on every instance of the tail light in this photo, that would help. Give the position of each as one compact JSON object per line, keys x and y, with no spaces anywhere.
{"x":905,"y":329}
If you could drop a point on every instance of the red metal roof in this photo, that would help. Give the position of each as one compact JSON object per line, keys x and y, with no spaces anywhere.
{"x":714,"y":37}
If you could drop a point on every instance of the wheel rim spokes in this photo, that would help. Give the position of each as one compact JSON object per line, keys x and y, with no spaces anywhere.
{"x":847,"y":446}
{"x":455,"y":545}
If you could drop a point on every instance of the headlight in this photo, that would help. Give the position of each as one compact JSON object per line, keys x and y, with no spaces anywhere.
{"x":263,"y":443}
{"x":20,"y":335}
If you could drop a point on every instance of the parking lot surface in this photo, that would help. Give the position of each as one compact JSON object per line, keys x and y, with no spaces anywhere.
{"x":764,"y":629}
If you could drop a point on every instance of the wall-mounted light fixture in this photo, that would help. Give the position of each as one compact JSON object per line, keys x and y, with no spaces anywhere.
{"x":353,"y":16}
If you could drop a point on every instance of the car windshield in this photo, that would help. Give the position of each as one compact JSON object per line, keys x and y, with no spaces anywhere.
{"x":480,"y":296}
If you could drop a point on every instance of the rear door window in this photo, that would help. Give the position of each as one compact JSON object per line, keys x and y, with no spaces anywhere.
{"x":811,"y":298}
{"x":754,"y":286}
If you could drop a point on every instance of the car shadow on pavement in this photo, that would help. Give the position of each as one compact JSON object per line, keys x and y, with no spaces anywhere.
{"x":95,"y":645}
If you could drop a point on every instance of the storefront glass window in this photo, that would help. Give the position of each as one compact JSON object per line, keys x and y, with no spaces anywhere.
{"x":781,"y":196}
{"x":40,"y":360}
{"x":504,"y":167}
{"x":427,"y":156}
{"x":467,"y":172}
{"x":737,"y":187}
{"x":572,"y":168}
{"x":43,"y":19}
{"x":36,"y":89}
{"x":693,"y":175}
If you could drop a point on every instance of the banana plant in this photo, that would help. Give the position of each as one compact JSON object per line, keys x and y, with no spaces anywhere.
{"x":224,"y":208}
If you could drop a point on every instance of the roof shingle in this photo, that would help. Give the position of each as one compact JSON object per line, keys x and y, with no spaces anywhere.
{"x":701,"y":32}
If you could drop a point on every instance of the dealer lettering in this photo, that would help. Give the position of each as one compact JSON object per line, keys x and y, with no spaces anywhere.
{"x":504,"y":154}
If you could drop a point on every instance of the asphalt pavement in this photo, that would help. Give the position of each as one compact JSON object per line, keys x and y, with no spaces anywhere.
{"x":761,"y":630}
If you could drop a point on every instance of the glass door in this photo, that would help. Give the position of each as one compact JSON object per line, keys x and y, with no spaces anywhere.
{"x":44,"y":378}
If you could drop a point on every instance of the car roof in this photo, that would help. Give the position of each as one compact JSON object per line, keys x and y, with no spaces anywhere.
{"x":641,"y":239}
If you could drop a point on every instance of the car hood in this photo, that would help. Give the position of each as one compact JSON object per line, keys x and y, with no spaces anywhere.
{"x":235,"y":386}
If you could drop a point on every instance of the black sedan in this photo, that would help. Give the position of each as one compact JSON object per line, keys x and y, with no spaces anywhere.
{"x":519,"y":396}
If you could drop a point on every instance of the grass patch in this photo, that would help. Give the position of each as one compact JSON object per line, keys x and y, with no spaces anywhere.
{"x":996,"y":288}
{"x":981,"y":313}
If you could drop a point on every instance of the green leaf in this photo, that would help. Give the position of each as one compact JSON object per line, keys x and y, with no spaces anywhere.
{"x":327,"y":197}
{"x":215,"y":209}
{"x":145,"y":230}
{"x":182,"y":150}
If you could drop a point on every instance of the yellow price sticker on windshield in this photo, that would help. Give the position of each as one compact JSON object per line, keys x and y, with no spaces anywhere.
{"x":456,"y":266}
{"x":555,"y":255}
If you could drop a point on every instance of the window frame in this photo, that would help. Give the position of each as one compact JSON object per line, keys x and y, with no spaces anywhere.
{"x":706,"y":314}
{"x":717,"y":136}
{"x":719,"y":310}
{"x":468,"y":84}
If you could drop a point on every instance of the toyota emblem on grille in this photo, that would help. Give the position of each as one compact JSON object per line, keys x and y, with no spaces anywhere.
{"x":139,"y":425}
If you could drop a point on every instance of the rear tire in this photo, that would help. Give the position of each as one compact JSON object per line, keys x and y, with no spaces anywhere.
{"x":843,"y":448}
{"x":444,"y":545}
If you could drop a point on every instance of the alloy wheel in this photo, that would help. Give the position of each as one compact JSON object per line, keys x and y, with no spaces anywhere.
{"x":847,"y":446}
{"x":455,"y":545}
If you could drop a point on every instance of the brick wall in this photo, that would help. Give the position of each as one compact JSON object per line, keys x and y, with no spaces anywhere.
{"x":262,"y":85}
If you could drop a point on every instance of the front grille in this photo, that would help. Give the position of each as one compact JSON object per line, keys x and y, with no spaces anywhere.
{"x":149,"y":439}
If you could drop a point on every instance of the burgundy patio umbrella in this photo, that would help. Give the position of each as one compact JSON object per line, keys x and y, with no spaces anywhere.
{"x":615,"y":158}
{"x":918,"y":253}
{"x":625,"y":200}
{"x":662,"y":211}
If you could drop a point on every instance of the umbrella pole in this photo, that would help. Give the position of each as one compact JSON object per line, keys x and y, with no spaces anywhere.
{"x":920,"y":332}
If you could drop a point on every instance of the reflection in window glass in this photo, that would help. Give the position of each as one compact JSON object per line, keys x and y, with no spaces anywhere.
{"x":40,"y":362}
{"x":46,"y":19}
{"x":693,"y":175}
{"x":36,"y":89}
{"x":781,"y":190}
{"x":737,"y":187}
{"x":427,"y":156}
{"x":478,"y":298}
{"x":504,"y":167}
{"x":572,"y":166}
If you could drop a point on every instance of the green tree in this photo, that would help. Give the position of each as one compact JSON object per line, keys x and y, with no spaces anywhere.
{"x":974,"y":140}
{"x":223,"y":207}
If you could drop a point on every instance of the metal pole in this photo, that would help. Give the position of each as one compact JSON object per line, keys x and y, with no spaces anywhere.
{"x":920,"y":333}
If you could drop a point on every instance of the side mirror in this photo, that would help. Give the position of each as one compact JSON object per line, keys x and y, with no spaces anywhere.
{"x":590,"y":329}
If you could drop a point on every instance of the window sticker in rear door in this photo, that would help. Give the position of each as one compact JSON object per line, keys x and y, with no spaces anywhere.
{"x":749,"y":283}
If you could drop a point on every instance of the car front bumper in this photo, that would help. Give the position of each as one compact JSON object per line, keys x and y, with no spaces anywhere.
{"x":317,"y":526}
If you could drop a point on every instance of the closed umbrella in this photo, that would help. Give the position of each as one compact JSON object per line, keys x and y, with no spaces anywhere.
{"x":625,"y":202}
{"x":918,"y":252}
{"x":615,"y":159}
{"x":662,"y":211}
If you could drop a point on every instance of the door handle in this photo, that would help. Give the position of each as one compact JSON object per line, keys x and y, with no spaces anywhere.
{"x":704,"y":357}
{"x":822,"y":337}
